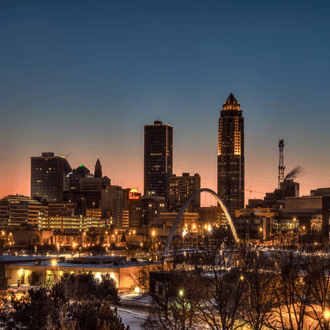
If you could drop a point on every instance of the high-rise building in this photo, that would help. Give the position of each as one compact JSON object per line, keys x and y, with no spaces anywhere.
{"x":181,"y":187}
{"x":116,"y":205}
{"x":49,"y":176}
{"x":231,"y":155}
{"x":135,"y":208}
{"x":87,"y":189}
{"x":96,"y":191}
{"x":158,"y":159}
{"x":152,"y":207}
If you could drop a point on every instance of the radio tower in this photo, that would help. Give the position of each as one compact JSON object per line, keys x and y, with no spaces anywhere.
{"x":281,"y":166}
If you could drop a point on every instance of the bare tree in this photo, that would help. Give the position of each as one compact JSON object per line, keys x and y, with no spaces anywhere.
{"x":319,"y":281}
{"x":293,"y":293}
{"x":225,"y":271}
{"x":175,"y":302}
{"x":258,"y":305}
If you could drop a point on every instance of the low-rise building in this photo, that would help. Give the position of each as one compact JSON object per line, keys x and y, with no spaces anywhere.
{"x":125,"y":273}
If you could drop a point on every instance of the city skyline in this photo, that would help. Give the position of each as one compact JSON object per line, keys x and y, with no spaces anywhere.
{"x":83,"y":78}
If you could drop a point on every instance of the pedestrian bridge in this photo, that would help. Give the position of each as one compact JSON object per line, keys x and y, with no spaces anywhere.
{"x":184,"y":207}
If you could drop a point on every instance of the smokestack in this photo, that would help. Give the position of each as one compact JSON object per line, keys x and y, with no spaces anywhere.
{"x":294,"y":173}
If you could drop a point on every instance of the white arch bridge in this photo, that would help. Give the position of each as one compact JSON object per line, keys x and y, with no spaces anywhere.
{"x":183,"y":208}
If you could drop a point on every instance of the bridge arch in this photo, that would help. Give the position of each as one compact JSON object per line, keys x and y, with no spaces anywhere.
{"x":186,"y":204}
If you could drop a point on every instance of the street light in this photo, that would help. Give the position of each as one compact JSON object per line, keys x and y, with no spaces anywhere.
{"x":181,"y":293}
{"x":54,"y":264}
{"x":326,"y":316}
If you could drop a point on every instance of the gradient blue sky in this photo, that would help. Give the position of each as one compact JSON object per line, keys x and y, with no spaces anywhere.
{"x":83,"y":77}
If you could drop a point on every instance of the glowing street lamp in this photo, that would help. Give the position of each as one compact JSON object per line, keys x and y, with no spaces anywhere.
{"x":181,"y":293}
{"x":326,"y":316}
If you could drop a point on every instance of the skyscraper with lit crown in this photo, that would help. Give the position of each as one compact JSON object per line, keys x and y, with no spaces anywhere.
{"x":231,"y":155}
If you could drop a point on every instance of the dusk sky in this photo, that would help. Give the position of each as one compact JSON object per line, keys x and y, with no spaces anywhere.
{"x":83,"y":77}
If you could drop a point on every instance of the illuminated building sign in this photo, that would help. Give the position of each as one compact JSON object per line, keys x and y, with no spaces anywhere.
{"x":134,"y":195}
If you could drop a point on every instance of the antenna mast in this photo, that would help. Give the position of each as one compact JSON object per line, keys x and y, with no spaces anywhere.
{"x":281,"y":166}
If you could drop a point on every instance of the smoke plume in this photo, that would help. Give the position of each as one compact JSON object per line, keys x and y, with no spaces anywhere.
{"x":294,"y":173}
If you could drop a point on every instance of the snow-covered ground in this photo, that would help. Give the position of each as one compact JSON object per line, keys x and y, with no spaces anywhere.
{"x":137,"y":299}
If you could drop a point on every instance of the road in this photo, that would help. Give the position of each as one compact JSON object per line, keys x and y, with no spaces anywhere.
{"x":133,"y":317}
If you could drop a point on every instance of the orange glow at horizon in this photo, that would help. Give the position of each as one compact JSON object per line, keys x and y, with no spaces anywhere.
{"x":259,"y":177}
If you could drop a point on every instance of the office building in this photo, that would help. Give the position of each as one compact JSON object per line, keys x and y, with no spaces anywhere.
{"x":181,"y":187}
{"x":135,"y":208}
{"x":126,"y":201}
{"x":151,"y":208}
{"x":116,"y":206}
{"x":87,"y":189}
{"x":64,"y":216}
{"x":49,"y":176}
{"x":18,"y":210}
{"x":76,"y":175}
{"x":231,"y":155}
{"x":158,"y":159}
{"x":96,"y":189}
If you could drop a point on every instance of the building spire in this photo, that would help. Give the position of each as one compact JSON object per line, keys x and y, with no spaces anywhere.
{"x":98,"y":169}
{"x":231,"y":103}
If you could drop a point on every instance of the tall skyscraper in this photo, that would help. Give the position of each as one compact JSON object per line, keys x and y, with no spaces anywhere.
{"x":231,"y":155}
{"x":49,"y":176}
{"x":158,"y":159}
